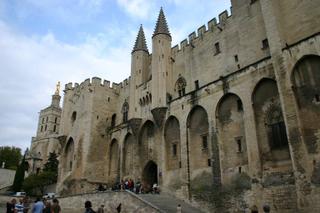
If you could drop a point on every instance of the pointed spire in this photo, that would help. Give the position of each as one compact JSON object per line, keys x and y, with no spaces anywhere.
{"x":140,"y":41}
{"x":161,"y":26}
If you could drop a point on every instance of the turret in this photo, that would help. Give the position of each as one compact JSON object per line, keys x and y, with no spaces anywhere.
{"x":139,"y":69}
{"x":161,"y":54}
{"x":161,"y":69}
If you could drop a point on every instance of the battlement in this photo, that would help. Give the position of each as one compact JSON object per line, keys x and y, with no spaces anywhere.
{"x":212,"y":26}
{"x":96,"y":81}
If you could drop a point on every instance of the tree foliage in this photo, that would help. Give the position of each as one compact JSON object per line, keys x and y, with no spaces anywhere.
{"x":52,"y":163}
{"x":19,"y":176}
{"x":11,"y":156}
{"x":35,"y":183}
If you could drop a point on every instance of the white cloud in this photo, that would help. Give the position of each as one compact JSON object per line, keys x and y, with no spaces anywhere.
{"x":137,"y":8}
{"x":31,"y":66}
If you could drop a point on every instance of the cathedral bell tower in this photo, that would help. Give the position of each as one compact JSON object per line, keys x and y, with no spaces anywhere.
{"x":161,"y":69}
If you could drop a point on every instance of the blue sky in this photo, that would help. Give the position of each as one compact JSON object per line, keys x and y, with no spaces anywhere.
{"x":45,"y":41}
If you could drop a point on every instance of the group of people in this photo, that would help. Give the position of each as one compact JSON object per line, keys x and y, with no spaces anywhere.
{"x":88,"y":208}
{"x":137,"y":187}
{"x":39,"y":206}
{"x":266,"y":209}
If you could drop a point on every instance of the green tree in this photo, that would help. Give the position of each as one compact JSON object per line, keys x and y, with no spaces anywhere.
{"x":52,"y":165}
{"x":35,"y":183}
{"x":19,"y":176}
{"x":11,"y":156}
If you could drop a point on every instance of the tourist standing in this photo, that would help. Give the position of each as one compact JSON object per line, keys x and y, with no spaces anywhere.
{"x":11,"y":205}
{"x":38,"y":206}
{"x":179,"y":209}
{"x":101,"y":209}
{"x":26,"y":204}
{"x":47,"y":208}
{"x":266,"y":208}
{"x":254,"y":209}
{"x":88,"y":207}
{"x":55,"y":208}
{"x":19,"y":206}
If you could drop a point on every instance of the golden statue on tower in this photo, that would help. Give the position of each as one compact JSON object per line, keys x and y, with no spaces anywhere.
{"x":57,"y":88}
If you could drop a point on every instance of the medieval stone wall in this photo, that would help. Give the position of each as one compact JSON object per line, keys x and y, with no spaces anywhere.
{"x":238,"y":99}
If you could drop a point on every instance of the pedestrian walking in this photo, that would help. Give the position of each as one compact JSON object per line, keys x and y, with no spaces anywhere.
{"x":101,"y":209}
{"x":55,"y":206}
{"x":88,"y":207}
{"x":38,"y":206}
{"x":11,"y":205}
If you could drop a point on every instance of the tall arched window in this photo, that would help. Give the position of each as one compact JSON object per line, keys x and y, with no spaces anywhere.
{"x":181,"y":86}
{"x":125,"y":110}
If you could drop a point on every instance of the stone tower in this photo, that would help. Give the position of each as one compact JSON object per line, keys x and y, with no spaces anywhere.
{"x":139,"y":69}
{"x":161,"y":73}
{"x":46,"y":139}
{"x":49,"y":118}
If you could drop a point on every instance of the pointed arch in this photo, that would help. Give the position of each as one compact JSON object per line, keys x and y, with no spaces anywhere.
{"x":231,"y":136}
{"x":114,"y":173}
{"x":271,"y":132}
{"x":305,"y":78}
{"x":180,"y":86}
{"x":172,"y":143}
{"x":69,"y":155}
{"x":198,"y":140}
{"x":125,"y":111}
{"x":146,"y":142}
{"x":129,"y":154}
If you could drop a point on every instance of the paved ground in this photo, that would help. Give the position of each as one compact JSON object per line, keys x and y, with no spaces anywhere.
{"x":168,"y":203}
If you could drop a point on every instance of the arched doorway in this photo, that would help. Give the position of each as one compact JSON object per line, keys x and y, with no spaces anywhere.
{"x":150,"y":175}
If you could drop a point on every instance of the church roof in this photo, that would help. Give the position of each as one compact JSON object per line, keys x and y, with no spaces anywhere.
{"x":161,"y":26}
{"x":140,"y":41}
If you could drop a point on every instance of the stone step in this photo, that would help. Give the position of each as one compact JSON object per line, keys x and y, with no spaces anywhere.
{"x":168,"y":203}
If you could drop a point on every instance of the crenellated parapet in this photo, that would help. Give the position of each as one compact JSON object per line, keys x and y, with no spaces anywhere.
{"x":88,"y":84}
{"x":213,"y":26}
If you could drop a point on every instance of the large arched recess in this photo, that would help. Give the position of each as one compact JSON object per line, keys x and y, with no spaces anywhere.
{"x":306,"y":85}
{"x":198,"y":140}
{"x":172,"y":143}
{"x":114,"y":173}
{"x":231,"y":136}
{"x":129,"y":155}
{"x":69,"y":155}
{"x":146,"y":146}
{"x":271,"y":128}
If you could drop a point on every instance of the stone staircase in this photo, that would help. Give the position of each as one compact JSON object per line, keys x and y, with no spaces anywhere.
{"x":166,"y":203}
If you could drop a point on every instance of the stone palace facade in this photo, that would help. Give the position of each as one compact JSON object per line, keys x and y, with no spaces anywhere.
{"x":239,"y":96}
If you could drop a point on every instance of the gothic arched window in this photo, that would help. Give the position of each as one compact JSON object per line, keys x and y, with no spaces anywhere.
{"x":125,"y":110}
{"x":276,"y":128}
{"x":181,"y":86}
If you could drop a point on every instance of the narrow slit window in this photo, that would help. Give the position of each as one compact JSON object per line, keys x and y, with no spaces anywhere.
{"x":217,"y":48}
{"x":204,"y":142}
{"x":265,"y":44}
{"x":239,"y":144}
{"x":174,"y":149}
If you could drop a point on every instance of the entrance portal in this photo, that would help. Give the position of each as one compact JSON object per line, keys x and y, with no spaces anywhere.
{"x":150,"y":175}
